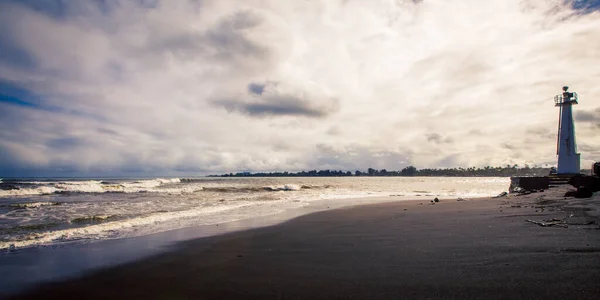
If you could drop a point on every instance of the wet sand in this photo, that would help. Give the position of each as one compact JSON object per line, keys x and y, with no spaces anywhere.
{"x":476,"y":249}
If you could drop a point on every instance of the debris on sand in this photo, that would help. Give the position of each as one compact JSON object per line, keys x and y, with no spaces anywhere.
{"x":548,"y":223}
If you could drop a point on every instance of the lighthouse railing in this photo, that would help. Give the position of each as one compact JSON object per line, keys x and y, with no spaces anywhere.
{"x":561,"y":99}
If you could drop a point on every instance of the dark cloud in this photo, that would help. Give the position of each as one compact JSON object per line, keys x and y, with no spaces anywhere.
{"x":275,"y":106}
{"x":588,"y":148}
{"x":13,"y":56}
{"x":592,"y":117}
{"x":256,"y":88}
{"x":228,"y":42}
{"x":229,"y":38}
{"x":11,"y":53}
{"x":508,"y":146}
{"x":588,"y":116}
{"x":272,"y":99}
{"x":437,"y":138}
{"x":536,"y":132}
{"x":52,"y":8}
{"x":63,"y":10}
{"x":65,"y":143}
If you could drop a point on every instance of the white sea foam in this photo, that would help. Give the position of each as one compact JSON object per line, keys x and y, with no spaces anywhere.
{"x":114,"y":229}
{"x":95,"y":186}
{"x":43,"y":190}
{"x":148,"y":184}
{"x":91,"y":186}
{"x":285,"y":187}
{"x":34,"y":204}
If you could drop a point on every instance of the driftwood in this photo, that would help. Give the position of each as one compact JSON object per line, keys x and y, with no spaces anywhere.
{"x":553,"y":222}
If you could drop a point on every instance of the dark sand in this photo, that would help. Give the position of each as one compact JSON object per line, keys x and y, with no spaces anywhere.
{"x":479,"y":249}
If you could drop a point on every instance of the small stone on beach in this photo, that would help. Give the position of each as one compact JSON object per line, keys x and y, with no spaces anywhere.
{"x":503,"y":194}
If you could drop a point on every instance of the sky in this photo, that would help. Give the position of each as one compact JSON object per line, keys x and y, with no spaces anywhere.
{"x":150,"y":87}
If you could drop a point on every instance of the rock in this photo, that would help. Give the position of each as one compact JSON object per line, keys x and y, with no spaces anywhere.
{"x":583,"y":192}
{"x":590,"y":182}
{"x":503,"y":194}
{"x":570,"y":193}
{"x":436,"y":200}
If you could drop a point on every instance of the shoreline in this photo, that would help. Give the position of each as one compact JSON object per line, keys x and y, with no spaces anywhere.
{"x":36,"y":265}
{"x":184,"y":205}
{"x":411,"y":219}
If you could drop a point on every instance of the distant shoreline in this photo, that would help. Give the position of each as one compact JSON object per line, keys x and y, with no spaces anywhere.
{"x":409,"y":171}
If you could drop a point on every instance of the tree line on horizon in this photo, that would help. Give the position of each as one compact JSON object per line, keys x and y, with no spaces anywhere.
{"x":487,"y":171}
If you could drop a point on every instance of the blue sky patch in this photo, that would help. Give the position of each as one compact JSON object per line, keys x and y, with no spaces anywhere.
{"x":17,"y":96}
{"x":586,"y":6}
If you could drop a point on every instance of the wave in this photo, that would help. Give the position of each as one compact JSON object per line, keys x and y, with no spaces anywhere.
{"x":92,"y":186}
{"x":93,"y":219}
{"x":29,"y":228}
{"x":285,"y":187}
{"x":234,"y":189}
{"x":110,"y":229}
{"x":157,"y":185}
{"x":33,"y":204}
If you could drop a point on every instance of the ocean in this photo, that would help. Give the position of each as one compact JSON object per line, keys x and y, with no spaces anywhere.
{"x":51,"y":212}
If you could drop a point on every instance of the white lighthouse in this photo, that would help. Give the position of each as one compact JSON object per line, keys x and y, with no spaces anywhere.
{"x":566,"y":148}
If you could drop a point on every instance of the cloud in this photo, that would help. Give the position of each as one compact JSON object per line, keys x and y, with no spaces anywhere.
{"x":273,"y":99}
{"x":437,"y":138}
{"x":591,"y":116}
{"x":256,"y":89}
{"x":111,"y":87}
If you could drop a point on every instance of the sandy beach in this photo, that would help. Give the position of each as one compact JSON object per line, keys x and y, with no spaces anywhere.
{"x":471,"y":249}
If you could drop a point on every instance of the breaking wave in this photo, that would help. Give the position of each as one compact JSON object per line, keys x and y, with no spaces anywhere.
{"x":158,"y":185}
{"x":234,"y":189}
{"x":32,"y":188}
{"x":100,"y":227}
{"x":33,"y":204}
{"x":93,"y":219}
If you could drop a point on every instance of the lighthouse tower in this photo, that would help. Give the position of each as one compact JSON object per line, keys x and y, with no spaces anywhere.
{"x":566,"y":149}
